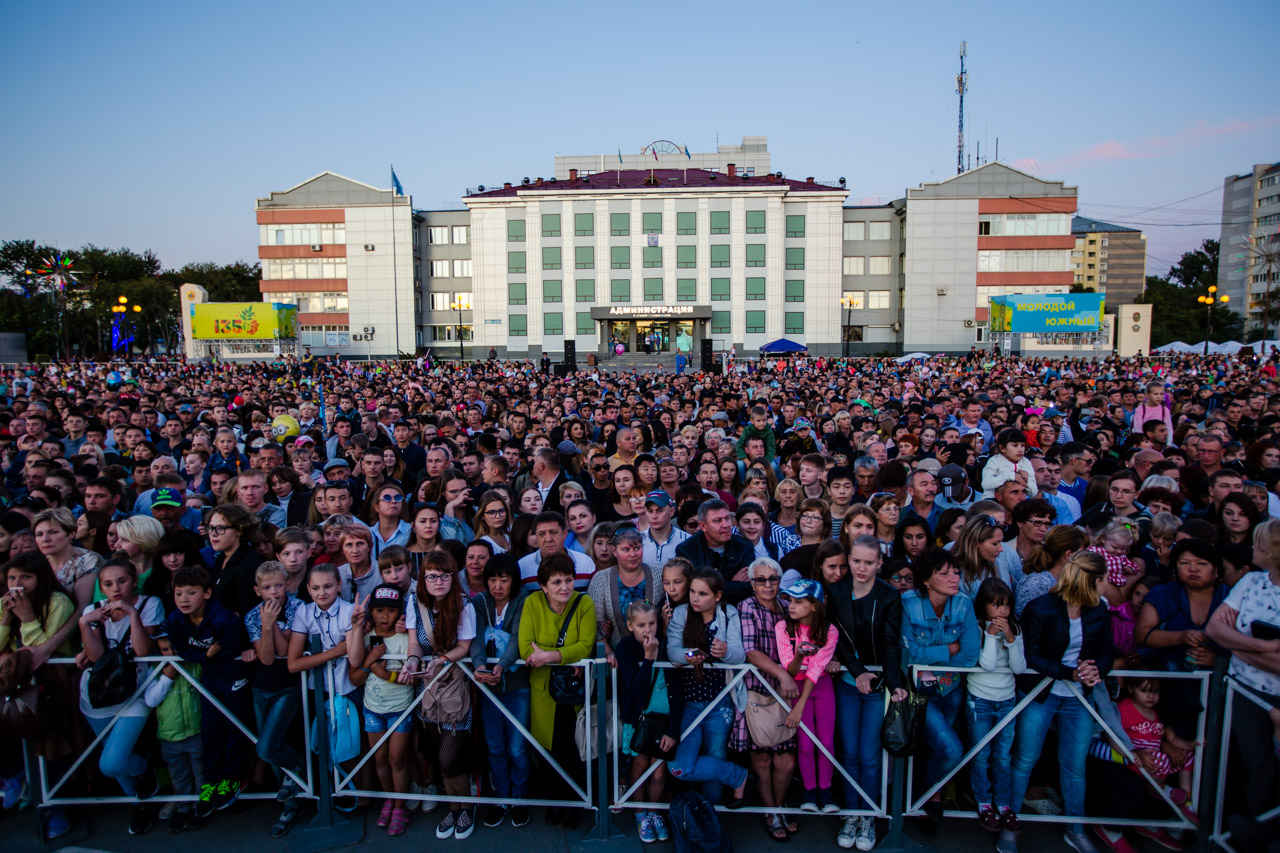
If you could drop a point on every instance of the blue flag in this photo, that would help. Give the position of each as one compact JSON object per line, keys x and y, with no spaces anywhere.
{"x":395,"y":183}
{"x":687,"y":155}
{"x":619,"y":154}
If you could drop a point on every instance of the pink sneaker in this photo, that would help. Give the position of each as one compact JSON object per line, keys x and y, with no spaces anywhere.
{"x":1159,"y":836}
{"x":384,"y":817}
{"x":399,"y":822}
{"x":1119,"y":845}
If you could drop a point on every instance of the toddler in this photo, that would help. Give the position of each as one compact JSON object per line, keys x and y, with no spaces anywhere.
{"x":1113,"y":544}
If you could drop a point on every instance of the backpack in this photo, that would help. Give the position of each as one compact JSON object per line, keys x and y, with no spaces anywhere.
{"x":695,"y":826}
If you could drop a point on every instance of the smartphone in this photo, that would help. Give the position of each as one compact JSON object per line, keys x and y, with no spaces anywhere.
{"x":877,"y":682}
{"x":693,"y":653}
{"x":1264,"y":630}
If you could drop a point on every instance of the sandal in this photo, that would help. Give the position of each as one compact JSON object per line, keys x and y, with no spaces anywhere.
{"x":790,"y":822}
{"x":776,"y":827}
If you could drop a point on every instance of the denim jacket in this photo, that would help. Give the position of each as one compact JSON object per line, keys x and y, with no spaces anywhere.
{"x":925,"y":636}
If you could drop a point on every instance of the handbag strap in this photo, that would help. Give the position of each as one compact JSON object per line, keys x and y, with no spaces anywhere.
{"x":568,"y":616}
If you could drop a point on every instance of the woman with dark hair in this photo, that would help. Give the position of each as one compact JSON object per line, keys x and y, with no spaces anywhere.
{"x":522,"y":541}
{"x":426,"y":538}
{"x":1239,"y":517}
{"x":911,"y":538}
{"x":288,"y":493}
{"x":621,"y":481}
{"x":1260,"y":456}
{"x":888,"y":513}
{"x":91,"y":531}
{"x":176,"y":550}
{"x":830,"y":564}
{"x":230,"y":530}
{"x":813,"y":526}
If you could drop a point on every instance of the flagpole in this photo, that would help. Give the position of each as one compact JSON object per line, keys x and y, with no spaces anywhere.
{"x":395,"y":277}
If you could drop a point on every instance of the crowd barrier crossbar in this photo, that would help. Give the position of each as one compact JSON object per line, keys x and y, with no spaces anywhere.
{"x":1218,"y":834}
{"x":623,"y":799}
{"x":1117,"y":741}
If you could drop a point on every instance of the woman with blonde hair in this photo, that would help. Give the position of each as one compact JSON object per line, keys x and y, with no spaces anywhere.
{"x":979,"y":544}
{"x":787,"y":493}
{"x":75,"y":568}
{"x":139,"y":537}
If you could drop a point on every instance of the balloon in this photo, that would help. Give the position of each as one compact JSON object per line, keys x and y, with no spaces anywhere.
{"x":285,"y":427}
{"x":620,"y":349}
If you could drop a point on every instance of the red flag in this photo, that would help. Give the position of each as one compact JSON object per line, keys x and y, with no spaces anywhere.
{"x":655,"y":155}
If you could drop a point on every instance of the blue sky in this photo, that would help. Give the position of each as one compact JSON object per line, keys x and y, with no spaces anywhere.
{"x":156,"y":126}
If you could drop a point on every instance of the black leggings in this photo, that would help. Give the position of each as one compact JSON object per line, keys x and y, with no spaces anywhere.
{"x":449,"y":750}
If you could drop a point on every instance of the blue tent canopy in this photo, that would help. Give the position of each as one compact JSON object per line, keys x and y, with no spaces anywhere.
{"x":783,"y":345}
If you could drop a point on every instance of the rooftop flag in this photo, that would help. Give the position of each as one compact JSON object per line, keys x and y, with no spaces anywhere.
{"x":655,"y":155}
{"x":687,"y":155}
{"x":396,"y":188}
{"x":619,"y":154}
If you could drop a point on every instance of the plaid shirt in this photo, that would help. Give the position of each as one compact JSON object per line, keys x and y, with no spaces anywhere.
{"x":1119,"y":569}
{"x":758,"y":636}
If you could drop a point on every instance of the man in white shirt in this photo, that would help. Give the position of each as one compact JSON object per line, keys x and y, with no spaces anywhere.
{"x":662,"y":537}
{"x":549,"y":530}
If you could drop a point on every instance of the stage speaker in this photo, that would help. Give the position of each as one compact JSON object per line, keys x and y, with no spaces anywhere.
{"x":708,"y":357}
{"x":561,"y":370}
{"x":715,"y":369}
{"x":571,"y":355}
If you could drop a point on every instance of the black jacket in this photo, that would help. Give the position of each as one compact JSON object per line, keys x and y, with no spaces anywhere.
{"x":234,"y":587}
{"x":635,"y":683}
{"x":885,"y":648}
{"x":1046,"y":630}
{"x":738,"y":554}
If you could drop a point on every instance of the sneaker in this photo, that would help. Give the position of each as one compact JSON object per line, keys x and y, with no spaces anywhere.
{"x":399,"y":822}
{"x":56,"y":824}
{"x":827,"y":801}
{"x":495,"y":814}
{"x":226,"y":794}
{"x":644,"y":827}
{"x":1118,"y":844}
{"x":1159,"y":836}
{"x":867,"y":834}
{"x":1007,"y":843}
{"x":204,"y":807}
{"x":144,"y":817}
{"x":1079,"y":842}
{"x":167,"y":810}
{"x":284,"y":823}
{"x":447,"y":825}
{"x":1043,"y":806}
{"x":520,"y":816}
{"x":848,"y":835}
{"x":384,"y":816}
{"x":466,"y":824}
{"x":288,"y":790}
{"x":660,"y":826}
{"x":427,"y":806}
{"x":180,"y":821}
{"x":147,"y":784}
{"x":810,"y":801}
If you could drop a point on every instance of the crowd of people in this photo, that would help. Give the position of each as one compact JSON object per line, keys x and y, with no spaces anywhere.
{"x":973,"y":530}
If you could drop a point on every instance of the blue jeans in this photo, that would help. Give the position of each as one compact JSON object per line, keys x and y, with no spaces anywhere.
{"x":991,"y":764}
{"x":508,"y":749}
{"x":858,"y":720}
{"x":713,"y":767}
{"x":118,"y":760}
{"x":274,"y":711}
{"x":1075,"y":730}
{"x":945,"y":749}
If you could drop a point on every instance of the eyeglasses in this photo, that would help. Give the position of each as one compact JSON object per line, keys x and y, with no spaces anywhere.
{"x":767,"y":581}
{"x":1039,"y":522}
{"x":218,"y":529}
{"x":436,"y":578}
{"x":989,"y":521}
{"x":809,"y":516}
{"x":496,"y":513}
{"x":599,"y":467}
{"x":392,"y":499}
{"x":902,"y":578}
{"x":882,"y":495}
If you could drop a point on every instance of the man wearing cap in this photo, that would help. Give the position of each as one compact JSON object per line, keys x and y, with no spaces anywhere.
{"x":662,"y":538}
{"x":800,"y":440}
{"x":167,"y":508}
{"x":953,"y":488}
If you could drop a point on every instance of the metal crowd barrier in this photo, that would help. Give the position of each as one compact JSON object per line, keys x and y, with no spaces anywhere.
{"x":1219,"y":835}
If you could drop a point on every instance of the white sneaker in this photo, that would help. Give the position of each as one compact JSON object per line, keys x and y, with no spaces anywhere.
{"x":849,"y":832}
{"x":1044,"y":806}
{"x":427,"y":806}
{"x":1079,"y":842}
{"x":867,"y":834}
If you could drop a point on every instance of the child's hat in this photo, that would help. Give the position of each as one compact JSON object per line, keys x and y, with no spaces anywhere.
{"x":804,"y":589}
{"x":387,"y":595}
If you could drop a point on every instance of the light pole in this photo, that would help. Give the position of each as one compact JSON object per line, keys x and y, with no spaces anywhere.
{"x":1208,"y":312}
{"x":847,"y":302}
{"x":458,"y":305}
{"x":118,"y":338}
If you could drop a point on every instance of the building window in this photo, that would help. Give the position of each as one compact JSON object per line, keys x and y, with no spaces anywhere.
{"x":984,"y":227}
{"x":620,"y":257}
{"x":686,"y":257}
{"x":795,"y":259}
{"x":1102,"y":278}
{"x":755,"y":221}
{"x":553,"y":324}
{"x":755,"y":323}
{"x":1025,"y":260}
{"x":552,"y":290}
{"x":584,"y":258}
{"x":878,"y":230}
{"x":584,"y":225}
{"x":328,"y":233}
{"x":721,"y":322}
{"x":438,"y":235}
{"x":515,"y":262}
{"x":550,"y":225}
{"x":686,"y":289}
{"x":653,"y":290}
{"x":755,"y":289}
{"x":855,"y":230}
{"x":1104,"y":242}
{"x":517,"y":293}
{"x":794,"y":322}
{"x":878,"y":265}
{"x":652,"y":255}
{"x":755,"y":254}
{"x":878,"y":300}
{"x":620,"y":224}
{"x":586,"y":326}
{"x":463,"y":299}
{"x":719,"y":222}
{"x":795,"y":226}
{"x":795,"y":291}
{"x":440,"y":301}
{"x":651,"y":223}
{"x":462,"y":268}
{"x":719,"y":290}
{"x":857,"y":299}
{"x":551,"y":257}
{"x":687,"y":223}
{"x":461,"y":235}
{"x":515,"y":230}
{"x":855,"y":265}
{"x":585,"y":289}
{"x":440,"y":269}
{"x":853,"y":334}
{"x":305,"y":268}
{"x":720,"y":256}
{"x":312,"y":302}
{"x":620,"y":290}
{"x":518,"y":325}
{"x":1025,"y":224}
{"x":979,"y":334}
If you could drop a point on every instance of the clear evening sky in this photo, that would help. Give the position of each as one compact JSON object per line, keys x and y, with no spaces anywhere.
{"x":156,"y":126}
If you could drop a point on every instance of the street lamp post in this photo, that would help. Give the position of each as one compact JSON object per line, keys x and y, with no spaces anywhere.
{"x":458,"y":305}
{"x":847,"y":302}
{"x":1208,"y":312}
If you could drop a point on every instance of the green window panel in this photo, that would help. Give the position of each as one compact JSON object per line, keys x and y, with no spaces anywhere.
{"x":518,"y":325}
{"x":755,"y":254}
{"x":719,"y":222}
{"x":651,"y":223}
{"x":584,"y":258}
{"x":719,"y":289}
{"x":795,"y":226}
{"x":720,"y":256}
{"x":795,"y":291}
{"x":584,"y":224}
{"x":687,"y":223}
{"x":755,"y":322}
{"x":515,"y":230}
{"x":517,"y":293}
{"x":620,"y":257}
{"x":653,"y":290}
{"x":686,"y":257}
{"x":553,"y":324}
{"x":620,"y":224}
{"x":794,"y":322}
{"x":550,"y":225}
{"x":515,"y":262}
{"x":551,"y":257}
{"x":755,"y":221}
{"x":553,"y":290}
{"x":586,"y":326}
{"x":620,"y":290}
{"x":652,"y":256}
{"x":755,"y":289}
{"x":795,"y":259}
{"x":686,"y":289}
{"x":586,"y":289}
{"x":721,"y":322}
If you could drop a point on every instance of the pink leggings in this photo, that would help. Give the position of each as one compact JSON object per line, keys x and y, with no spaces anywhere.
{"x":820,"y":716}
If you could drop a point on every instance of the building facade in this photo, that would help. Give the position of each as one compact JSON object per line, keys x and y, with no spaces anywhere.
{"x":751,"y":158}
{"x":873,"y":250}
{"x":1110,"y":259}
{"x":1250,"y":207}
{"x":343,"y":252}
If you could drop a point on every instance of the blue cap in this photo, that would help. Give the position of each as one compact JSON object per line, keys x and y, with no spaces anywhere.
{"x":660,"y":498}
{"x":803,"y":589}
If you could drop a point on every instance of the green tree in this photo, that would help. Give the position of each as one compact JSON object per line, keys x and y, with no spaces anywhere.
{"x":235,"y":282}
{"x":1179,"y":316}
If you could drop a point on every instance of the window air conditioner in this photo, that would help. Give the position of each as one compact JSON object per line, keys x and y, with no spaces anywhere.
{"x":968,"y":324}
{"x":315,"y":247}
{"x":368,"y":247}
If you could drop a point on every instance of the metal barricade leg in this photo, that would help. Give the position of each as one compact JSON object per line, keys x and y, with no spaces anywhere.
{"x":327,"y":829}
{"x":604,"y":830}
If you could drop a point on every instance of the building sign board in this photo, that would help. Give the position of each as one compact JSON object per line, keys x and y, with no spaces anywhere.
{"x":1057,"y":313}
{"x":646,"y":312}
{"x":244,"y":321}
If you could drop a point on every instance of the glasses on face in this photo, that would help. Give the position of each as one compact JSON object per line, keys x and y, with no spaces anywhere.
{"x":1040,"y":522}
{"x":598,"y":468}
{"x":496,"y":513}
{"x":768,"y":580}
{"x":902,"y":578}
{"x":218,"y":529}
{"x":809,"y":516}
{"x":392,"y":499}
{"x":436,"y":578}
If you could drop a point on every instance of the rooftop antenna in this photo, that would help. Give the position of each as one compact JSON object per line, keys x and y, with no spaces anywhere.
{"x":962,"y":83}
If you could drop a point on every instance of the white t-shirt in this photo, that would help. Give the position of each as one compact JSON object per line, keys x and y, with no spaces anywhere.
{"x":152,"y":613}
{"x":466,"y":626}
{"x":1071,"y":657}
{"x":497,"y":549}
{"x":331,"y":626}
{"x":1256,"y":599}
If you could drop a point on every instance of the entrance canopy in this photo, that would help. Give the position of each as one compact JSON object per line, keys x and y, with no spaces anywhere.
{"x":784,"y":345}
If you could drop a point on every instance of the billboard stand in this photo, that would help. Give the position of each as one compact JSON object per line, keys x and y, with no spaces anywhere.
{"x":246,"y":331}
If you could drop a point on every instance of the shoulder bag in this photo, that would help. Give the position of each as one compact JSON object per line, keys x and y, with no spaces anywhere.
{"x":650,"y":728}
{"x":567,"y":684}
{"x":446,"y":700}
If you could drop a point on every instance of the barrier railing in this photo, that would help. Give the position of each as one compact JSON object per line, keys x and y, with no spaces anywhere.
{"x":1218,"y":834}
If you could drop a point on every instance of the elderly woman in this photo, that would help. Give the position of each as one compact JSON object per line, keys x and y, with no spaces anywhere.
{"x":550,"y":612}
{"x":775,"y":763}
{"x":75,"y":568}
{"x":613,"y":589}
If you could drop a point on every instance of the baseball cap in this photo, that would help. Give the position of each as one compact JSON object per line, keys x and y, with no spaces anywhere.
{"x":186,"y":408}
{"x":567,"y":447}
{"x":949,"y":477}
{"x":1053,"y":413}
{"x":803,"y":589}
{"x":933,"y":466}
{"x":387,"y":595}
{"x":166,"y":497}
{"x":303,"y":440}
{"x":659,"y":497}
{"x":802,"y":423}
{"x":336,"y":463}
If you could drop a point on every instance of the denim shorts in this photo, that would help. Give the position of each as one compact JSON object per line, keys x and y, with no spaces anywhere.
{"x":375,"y":722}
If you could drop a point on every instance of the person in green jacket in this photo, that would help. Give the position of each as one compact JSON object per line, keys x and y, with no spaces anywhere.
{"x":759,"y":428}
{"x":177,"y":707}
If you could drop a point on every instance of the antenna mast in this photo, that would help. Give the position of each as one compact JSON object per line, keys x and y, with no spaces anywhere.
{"x":962,"y":83}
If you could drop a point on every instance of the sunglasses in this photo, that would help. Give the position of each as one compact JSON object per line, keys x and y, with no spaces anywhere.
{"x":392,"y":499}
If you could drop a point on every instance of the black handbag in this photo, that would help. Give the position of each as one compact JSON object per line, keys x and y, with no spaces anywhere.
{"x":113,"y":679}
{"x":902,"y":731}
{"x":649,"y":730}
{"x":567,"y":685}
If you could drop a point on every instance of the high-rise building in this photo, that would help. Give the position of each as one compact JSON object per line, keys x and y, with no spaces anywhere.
{"x":1110,"y":259}
{"x":1250,"y":206}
